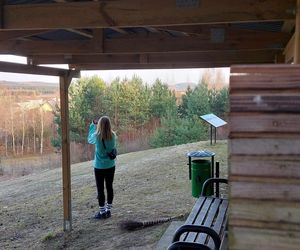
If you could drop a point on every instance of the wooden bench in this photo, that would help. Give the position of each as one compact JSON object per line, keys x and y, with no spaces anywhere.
{"x":205,"y":228}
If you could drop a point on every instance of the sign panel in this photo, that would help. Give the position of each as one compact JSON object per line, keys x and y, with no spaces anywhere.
{"x":213,"y":120}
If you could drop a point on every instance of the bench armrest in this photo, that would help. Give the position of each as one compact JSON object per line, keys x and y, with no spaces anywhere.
{"x":198,"y":229}
{"x":209,"y":182}
{"x":187,"y":246}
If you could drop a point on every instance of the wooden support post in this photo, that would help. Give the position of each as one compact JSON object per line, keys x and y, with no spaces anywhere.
{"x":64,"y":82}
{"x":297,"y":35}
{"x":2,"y":3}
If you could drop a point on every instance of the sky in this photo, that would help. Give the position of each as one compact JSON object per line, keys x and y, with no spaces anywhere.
{"x":170,"y":76}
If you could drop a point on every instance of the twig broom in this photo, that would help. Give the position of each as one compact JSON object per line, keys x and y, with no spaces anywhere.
{"x":131,"y":225}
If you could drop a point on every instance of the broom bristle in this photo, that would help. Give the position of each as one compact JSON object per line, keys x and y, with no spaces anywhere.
{"x":131,"y":225}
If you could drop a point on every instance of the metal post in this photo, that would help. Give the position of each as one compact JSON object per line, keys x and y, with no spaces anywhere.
{"x":190,"y":167}
{"x":211,"y":134}
{"x":212,"y":170}
{"x":215,"y":135}
{"x":217,"y":176}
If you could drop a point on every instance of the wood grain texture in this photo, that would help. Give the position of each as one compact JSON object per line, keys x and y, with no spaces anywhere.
{"x":265,"y":166}
{"x":276,"y":212}
{"x":264,"y":191}
{"x":31,"y":69}
{"x":264,"y":156}
{"x":264,"y":81}
{"x":133,"y":13}
{"x":264,"y":123}
{"x":265,"y":102}
{"x":136,"y":44}
{"x":175,"y":57}
{"x":64,"y":82}
{"x":257,"y":146}
{"x":241,"y":238}
{"x":268,"y":69}
{"x":297,"y":35}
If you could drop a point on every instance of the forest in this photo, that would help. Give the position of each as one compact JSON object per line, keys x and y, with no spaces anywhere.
{"x":143,"y":115}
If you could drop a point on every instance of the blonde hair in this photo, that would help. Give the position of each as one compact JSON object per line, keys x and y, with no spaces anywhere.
{"x":104,"y":131}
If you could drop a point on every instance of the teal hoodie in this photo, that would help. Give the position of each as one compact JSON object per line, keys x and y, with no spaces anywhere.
{"x":101,"y":159}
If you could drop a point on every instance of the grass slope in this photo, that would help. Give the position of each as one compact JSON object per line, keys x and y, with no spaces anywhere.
{"x":148,"y":185}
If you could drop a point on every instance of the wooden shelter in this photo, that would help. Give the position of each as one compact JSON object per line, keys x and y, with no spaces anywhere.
{"x":143,"y":34}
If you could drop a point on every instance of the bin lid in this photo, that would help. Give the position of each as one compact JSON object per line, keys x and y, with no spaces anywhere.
{"x":200,"y":153}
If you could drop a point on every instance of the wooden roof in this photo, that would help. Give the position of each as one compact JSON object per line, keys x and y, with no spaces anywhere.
{"x":127,"y":34}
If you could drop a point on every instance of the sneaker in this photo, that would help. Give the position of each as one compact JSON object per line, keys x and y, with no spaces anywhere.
{"x":108,"y":214}
{"x":100,"y":216}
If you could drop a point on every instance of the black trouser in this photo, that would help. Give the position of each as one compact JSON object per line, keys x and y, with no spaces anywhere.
{"x":107,"y":175}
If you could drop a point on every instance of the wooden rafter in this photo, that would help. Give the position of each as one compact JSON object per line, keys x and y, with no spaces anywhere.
{"x":105,"y":66}
{"x":16,"y":34}
{"x":81,"y":32}
{"x":37,"y":70}
{"x":288,"y":26}
{"x":133,"y":13}
{"x":289,"y":50}
{"x":150,"y":44}
{"x":119,"y":30}
{"x":239,"y":56}
{"x":297,"y":36}
{"x":174,"y":65}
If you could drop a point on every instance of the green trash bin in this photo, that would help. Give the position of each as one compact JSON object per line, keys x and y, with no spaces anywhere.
{"x":201,"y":171}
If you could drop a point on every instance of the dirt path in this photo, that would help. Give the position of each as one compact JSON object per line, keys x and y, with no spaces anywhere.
{"x":148,"y":185}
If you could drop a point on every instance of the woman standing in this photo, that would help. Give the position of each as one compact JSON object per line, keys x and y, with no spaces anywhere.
{"x":101,"y":134}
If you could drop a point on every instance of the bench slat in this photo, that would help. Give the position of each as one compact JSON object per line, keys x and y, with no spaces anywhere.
{"x":191,"y":218}
{"x":201,"y":238}
{"x":198,"y":205}
{"x":219,"y":223}
{"x":199,"y":220}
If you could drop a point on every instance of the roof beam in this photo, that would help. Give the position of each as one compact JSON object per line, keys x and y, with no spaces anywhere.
{"x":259,"y":56}
{"x":81,"y":32}
{"x":122,"y":31}
{"x":36,"y":70}
{"x":132,"y":13}
{"x":238,"y":40}
{"x":178,"y":65}
{"x":16,"y":34}
{"x":297,"y":36}
{"x":104,"y":66}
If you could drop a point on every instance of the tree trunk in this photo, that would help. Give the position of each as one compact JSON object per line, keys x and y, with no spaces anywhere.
{"x":6,"y":151}
{"x":42,"y":130}
{"x":12,"y":128}
{"x":6,"y":139}
{"x":34,"y":135}
{"x":28,"y":145}
{"x":23,"y":131}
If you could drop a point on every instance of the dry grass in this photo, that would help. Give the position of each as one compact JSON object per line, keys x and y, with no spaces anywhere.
{"x":16,"y":167}
{"x":148,"y":185}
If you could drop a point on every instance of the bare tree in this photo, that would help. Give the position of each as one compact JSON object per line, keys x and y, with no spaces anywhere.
{"x":23,"y":131}
{"x":42,"y":129}
{"x":12,"y":125}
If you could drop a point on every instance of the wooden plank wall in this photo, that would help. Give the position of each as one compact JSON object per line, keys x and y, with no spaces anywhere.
{"x":264,"y":157}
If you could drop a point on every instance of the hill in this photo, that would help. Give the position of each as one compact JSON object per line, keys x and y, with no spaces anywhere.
{"x":148,"y":185}
{"x":182,"y":86}
{"x":43,"y":87}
